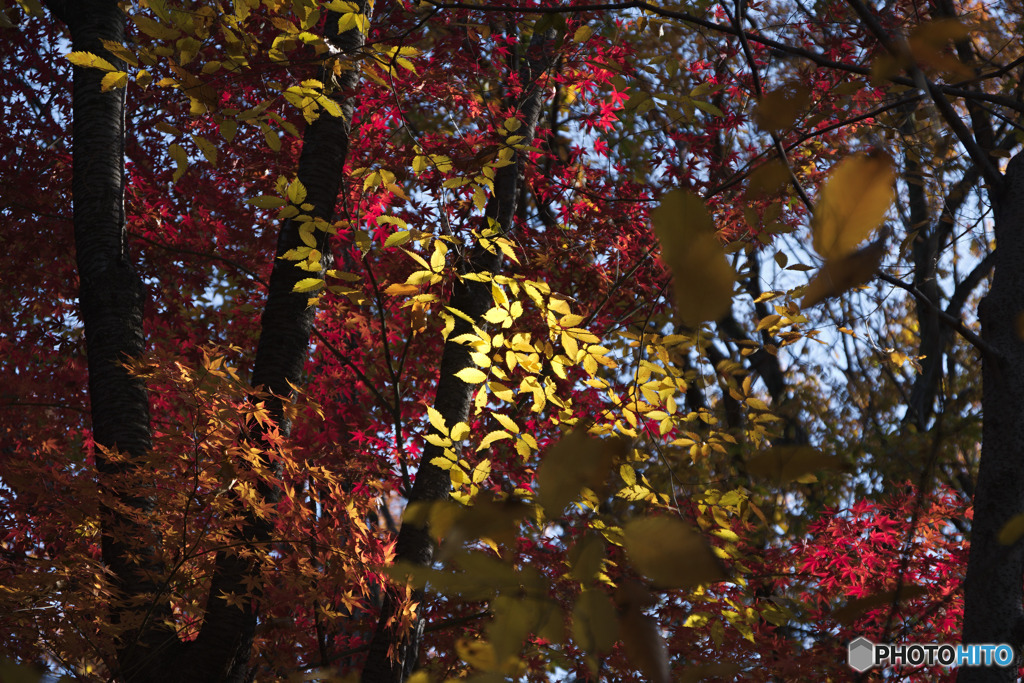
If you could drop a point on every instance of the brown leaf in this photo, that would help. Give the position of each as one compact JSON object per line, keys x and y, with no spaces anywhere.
{"x":854,"y":608}
{"x":789,"y":463}
{"x":779,"y":109}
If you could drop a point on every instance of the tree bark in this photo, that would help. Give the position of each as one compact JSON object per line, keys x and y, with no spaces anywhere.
{"x":454,"y":397}
{"x":222,"y":650}
{"x":993,"y":610}
{"x":111,"y":299}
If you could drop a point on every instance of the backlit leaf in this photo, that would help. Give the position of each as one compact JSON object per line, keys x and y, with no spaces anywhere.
{"x":471,"y":375}
{"x":701,"y":274}
{"x":308,"y":284}
{"x":87,"y":59}
{"x":852,"y":203}
{"x":670,"y":553}
{"x":114,"y":79}
{"x":843,"y":273}
{"x":788,"y":463}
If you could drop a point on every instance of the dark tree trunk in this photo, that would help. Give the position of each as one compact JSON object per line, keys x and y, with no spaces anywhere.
{"x":453,"y":398}
{"x":111,"y":298}
{"x":222,"y":650}
{"x":993,"y":610}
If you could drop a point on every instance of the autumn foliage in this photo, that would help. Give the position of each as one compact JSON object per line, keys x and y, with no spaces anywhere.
{"x":590,"y":374}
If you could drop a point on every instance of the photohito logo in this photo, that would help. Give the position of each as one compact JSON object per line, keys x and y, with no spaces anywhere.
{"x":862,"y":654}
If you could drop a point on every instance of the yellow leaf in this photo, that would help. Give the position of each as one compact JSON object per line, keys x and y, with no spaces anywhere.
{"x":670,"y":553}
{"x":779,"y":109}
{"x":702,"y":276}
{"x":496,"y":316}
{"x":852,"y":203}
{"x":471,"y":375}
{"x":1012,"y":530}
{"x":476,"y":653}
{"x":296,"y":192}
{"x":114,"y":79}
{"x":788,"y":463}
{"x":460,"y":431}
{"x":266,"y":202}
{"x":398,"y":238}
{"x":418,"y":318}
{"x":582,"y":34}
{"x":843,"y":273}
{"x":507,"y":422}
{"x":492,"y":437}
{"x":89,"y":60}
{"x":398,"y":289}
{"x":437,"y":420}
{"x":594,"y":622}
{"x":575,"y":462}
{"x":309,"y":284}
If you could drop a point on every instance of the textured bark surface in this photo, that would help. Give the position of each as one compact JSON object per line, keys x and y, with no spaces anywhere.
{"x":222,"y":650}
{"x":111,"y":299}
{"x":393,"y":656}
{"x":993,"y":592}
{"x":111,"y":296}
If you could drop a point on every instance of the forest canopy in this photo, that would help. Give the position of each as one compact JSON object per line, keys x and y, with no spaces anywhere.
{"x":548,"y":341}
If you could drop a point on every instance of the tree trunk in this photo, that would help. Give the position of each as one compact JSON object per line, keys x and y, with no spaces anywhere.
{"x":222,"y":650}
{"x":993,"y":610}
{"x":111,"y":298}
{"x":454,"y":397}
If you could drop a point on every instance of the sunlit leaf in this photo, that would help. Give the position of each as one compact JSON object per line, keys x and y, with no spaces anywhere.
{"x":471,"y":375}
{"x":114,"y":79}
{"x":308,"y":284}
{"x":87,"y":59}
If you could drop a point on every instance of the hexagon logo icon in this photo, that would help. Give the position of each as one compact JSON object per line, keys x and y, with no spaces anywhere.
{"x":861,"y":654}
